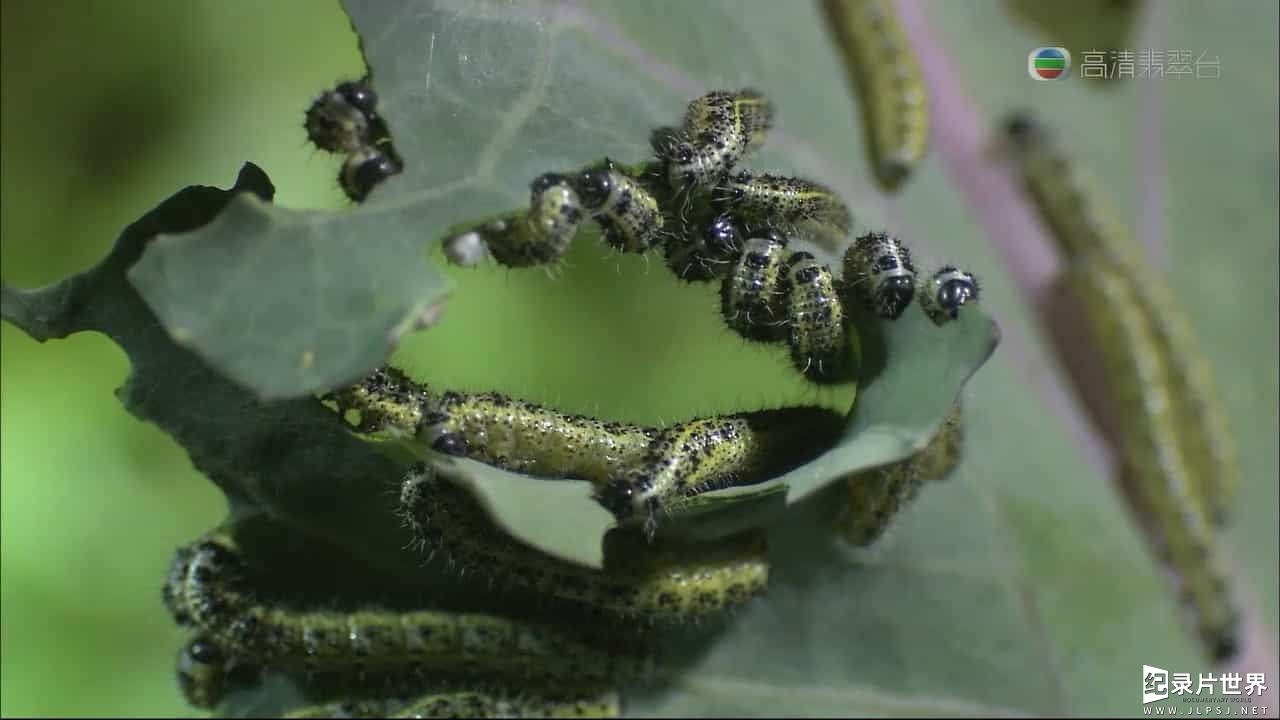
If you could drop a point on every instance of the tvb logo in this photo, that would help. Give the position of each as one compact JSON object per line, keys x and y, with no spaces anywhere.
{"x":1049,"y":63}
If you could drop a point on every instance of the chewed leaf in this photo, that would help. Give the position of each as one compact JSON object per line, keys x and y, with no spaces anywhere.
{"x":288,"y":302}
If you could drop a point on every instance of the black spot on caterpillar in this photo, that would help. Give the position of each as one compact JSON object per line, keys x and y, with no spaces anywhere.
{"x":222,"y":604}
{"x":785,"y":203}
{"x":875,"y":496}
{"x":891,"y":89}
{"x":879,"y":271}
{"x":1151,"y":448}
{"x":659,"y":582}
{"x":634,"y":468}
{"x":719,"y":130}
{"x":819,"y":343}
{"x":537,"y":236}
{"x":344,"y":120}
{"x":626,"y":210}
{"x":754,"y":296}
{"x":1085,"y":224}
{"x":946,"y":291}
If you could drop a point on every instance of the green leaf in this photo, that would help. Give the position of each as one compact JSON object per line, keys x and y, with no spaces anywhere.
{"x":1016,"y":587}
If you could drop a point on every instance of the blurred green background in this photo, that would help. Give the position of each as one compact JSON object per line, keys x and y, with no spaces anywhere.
{"x":109,"y":107}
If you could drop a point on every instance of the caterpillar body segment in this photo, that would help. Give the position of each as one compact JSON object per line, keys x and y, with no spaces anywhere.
{"x":223,"y":606}
{"x":626,"y":210}
{"x":486,"y":703}
{"x":876,"y":496}
{"x":816,"y":317}
{"x":788,"y":204}
{"x":891,"y":90}
{"x":754,"y":296}
{"x":880,"y":273}
{"x":539,"y":235}
{"x":1086,"y":225}
{"x":1153,"y":452}
{"x":719,"y":130}
{"x":700,"y":455}
{"x":652,"y":582}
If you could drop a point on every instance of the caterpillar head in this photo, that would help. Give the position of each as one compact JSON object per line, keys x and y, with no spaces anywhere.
{"x":948,"y":290}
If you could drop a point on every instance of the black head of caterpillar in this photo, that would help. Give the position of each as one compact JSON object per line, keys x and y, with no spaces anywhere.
{"x":344,"y":119}
{"x":948,"y":290}
{"x":815,"y":316}
{"x":366,"y":168}
{"x":626,"y":210}
{"x":878,"y":270}
{"x":206,"y":672}
{"x":719,"y":130}
{"x":537,"y":236}
{"x":753,"y":297}
{"x":704,"y":252}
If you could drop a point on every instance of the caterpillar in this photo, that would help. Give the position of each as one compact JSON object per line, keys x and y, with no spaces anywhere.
{"x":875,"y":496}
{"x":621,"y":460}
{"x":946,"y":291}
{"x":704,"y":255}
{"x":1084,"y":223}
{"x":625,"y":209}
{"x":720,"y":129}
{"x":344,"y":120}
{"x":754,"y":295}
{"x":890,"y":86}
{"x":205,"y":671}
{"x":660,"y":582}
{"x":879,"y":270}
{"x":538,"y":236}
{"x":221,"y":603}
{"x":819,"y":343}
{"x":1151,"y":449}
{"x":492,"y":703}
{"x":784,"y":203}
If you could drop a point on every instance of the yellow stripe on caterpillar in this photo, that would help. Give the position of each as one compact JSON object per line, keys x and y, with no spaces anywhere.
{"x":1151,"y":448}
{"x":719,"y":130}
{"x":787,"y":204}
{"x":1085,"y":223}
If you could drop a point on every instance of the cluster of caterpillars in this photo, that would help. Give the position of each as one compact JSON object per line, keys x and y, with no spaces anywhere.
{"x":711,"y":219}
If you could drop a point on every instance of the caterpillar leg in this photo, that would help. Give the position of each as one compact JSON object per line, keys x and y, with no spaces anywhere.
{"x":224,"y":605}
{"x":653,"y":582}
{"x":876,"y":496}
